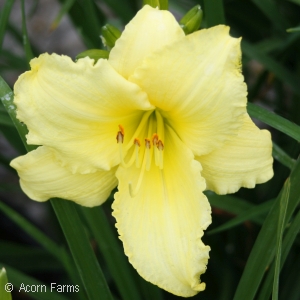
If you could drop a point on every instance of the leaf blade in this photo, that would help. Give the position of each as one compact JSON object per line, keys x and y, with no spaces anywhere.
{"x":274,"y":121}
{"x":264,"y":248}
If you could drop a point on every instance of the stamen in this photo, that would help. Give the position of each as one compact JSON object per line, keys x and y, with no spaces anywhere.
{"x":120,"y":135}
{"x":148,"y":154}
{"x":134,"y":192}
{"x":121,"y":128}
{"x":154,"y":142}
{"x":160,"y":125}
{"x":147,"y":143}
{"x":154,"y":139}
{"x":148,"y":149}
{"x":120,"y":140}
{"x":160,"y":147}
{"x":137,"y":142}
{"x":137,"y":146}
{"x":140,"y":127}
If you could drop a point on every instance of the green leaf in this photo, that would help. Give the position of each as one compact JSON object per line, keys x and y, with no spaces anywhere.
{"x":34,"y":232}
{"x":95,"y":54}
{"x":4,"y":286}
{"x":66,"y":5}
{"x":295,"y":29}
{"x":271,"y":11}
{"x":12,"y":136}
{"x":292,"y":232}
{"x":271,"y":65}
{"x":124,"y":11}
{"x":88,"y":20}
{"x":5,"y":120}
{"x":295,"y":1}
{"x":265,"y":245}
{"x":7,"y":97}
{"x":13,"y":253}
{"x":249,"y":214}
{"x":4,"y":15}
{"x":283,"y":157}
{"x":161,"y":4}
{"x":26,"y":42}
{"x":274,"y":121}
{"x":82,"y":252}
{"x":58,"y":252}
{"x":230,"y":203}
{"x":114,"y":256}
{"x":214,"y":12}
{"x":281,"y":222}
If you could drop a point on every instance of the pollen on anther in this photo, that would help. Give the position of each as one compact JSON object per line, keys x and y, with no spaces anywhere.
{"x":154,"y":139}
{"x":120,"y":135}
{"x":160,"y":145}
{"x":137,"y":142}
{"x":121,"y":128}
{"x":148,"y":143}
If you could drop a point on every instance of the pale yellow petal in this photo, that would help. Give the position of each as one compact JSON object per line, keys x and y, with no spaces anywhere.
{"x":75,"y":108}
{"x":42,"y":177}
{"x":161,"y":227}
{"x":197,"y":84}
{"x":148,"y":31}
{"x":244,"y":161}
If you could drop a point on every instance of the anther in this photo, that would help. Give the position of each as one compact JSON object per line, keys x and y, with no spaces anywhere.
{"x":121,"y":128}
{"x":147,"y":143}
{"x":120,"y":135}
{"x":120,"y":140}
{"x":160,"y":145}
{"x":137,"y":142}
{"x":154,"y":142}
{"x":154,"y":139}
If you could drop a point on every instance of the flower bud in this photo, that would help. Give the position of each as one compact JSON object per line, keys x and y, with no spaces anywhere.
{"x":109,"y":36}
{"x":191,"y":20}
{"x":161,"y":4}
{"x":94,"y":53}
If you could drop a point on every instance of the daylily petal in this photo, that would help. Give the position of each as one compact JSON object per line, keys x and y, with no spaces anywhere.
{"x":161,"y":227}
{"x":42,"y":177}
{"x":148,"y":31}
{"x":75,"y":108}
{"x":243,"y":161}
{"x":197,"y":84}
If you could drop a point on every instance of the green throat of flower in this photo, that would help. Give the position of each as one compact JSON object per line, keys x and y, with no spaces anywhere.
{"x":151,"y":130}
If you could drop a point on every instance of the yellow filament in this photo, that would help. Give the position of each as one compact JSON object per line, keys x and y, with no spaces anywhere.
{"x":154,"y":142}
{"x":137,"y":146}
{"x":160,"y":148}
{"x":160,"y":125}
{"x":161,"y":160}
{"x":139,"y":129}
{"x":123,"y":163}
{"x":148,"y":148}
{"x":133,"y":192}
{"x":161,"y":134}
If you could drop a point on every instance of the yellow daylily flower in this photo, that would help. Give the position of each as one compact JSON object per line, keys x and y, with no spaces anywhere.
{"x":178,"y":106}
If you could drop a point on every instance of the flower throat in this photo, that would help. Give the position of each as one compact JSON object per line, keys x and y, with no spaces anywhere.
{"x":146,"y":142}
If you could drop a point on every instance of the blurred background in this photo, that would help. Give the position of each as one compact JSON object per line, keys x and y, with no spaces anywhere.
{"x":271,"y":65}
